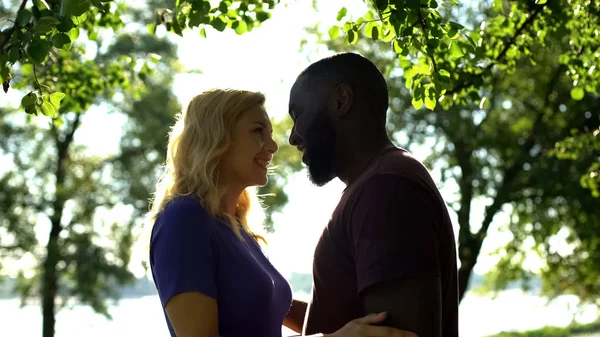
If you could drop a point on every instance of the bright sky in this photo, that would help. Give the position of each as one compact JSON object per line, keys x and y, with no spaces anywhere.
{"x":268,"y":59}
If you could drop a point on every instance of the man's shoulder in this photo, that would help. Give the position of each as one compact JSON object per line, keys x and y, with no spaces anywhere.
{"x":399,"y":162}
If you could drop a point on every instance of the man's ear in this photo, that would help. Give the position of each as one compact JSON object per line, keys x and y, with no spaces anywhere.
{"x":343,"y":99}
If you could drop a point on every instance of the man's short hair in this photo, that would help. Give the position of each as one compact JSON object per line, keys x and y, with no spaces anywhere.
{"x":355,"y":70}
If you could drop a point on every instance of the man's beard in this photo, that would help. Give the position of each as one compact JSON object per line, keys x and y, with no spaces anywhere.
{"x":320,"y":150}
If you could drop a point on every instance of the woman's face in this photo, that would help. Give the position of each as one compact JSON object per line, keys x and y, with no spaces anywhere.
{"x":245,"y":163}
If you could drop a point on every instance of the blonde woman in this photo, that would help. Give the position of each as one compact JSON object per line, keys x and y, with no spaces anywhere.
{"x":211,"y":275}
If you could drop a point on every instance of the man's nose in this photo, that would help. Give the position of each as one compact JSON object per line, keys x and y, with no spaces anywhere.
{"x":294,"y":138}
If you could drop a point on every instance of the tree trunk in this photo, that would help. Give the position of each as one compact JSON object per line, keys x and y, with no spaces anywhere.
{"x":49,"y":285}
{"x":464,"y":275}
{"x":50,"y":276}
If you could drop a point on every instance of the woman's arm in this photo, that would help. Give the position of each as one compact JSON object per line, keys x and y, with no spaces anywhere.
{"x":193,"y":314}
{"x":295,"y":317}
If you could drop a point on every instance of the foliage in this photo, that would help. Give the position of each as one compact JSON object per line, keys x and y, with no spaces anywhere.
{"x":493,"y":135}
{"x":43,"y":29}
{"x":571,"y":330}
{"x":51,"y":180}
{"x":586,"y":145}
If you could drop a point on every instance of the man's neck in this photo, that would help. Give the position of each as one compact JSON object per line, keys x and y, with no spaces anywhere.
{"x":358,"y":157}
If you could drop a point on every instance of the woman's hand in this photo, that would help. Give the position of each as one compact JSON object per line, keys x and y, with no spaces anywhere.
{"x":362,"y":327}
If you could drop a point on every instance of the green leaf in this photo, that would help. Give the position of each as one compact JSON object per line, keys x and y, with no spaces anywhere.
{"x":540,"y":2}
{"x":456,"y":25}
{"x":38,"y":50}
{"x":76,"y":7}
{"x":263,"y":16}
{"x":388,"y":36}
{"x":78,"y":20}
{"x":73,"y":33}
{"x":31,"y":110}
{"x":455,"y":50}
{"x":65,"y":25}
{"x":352,"y":37}
{"x":58,"y":121}
{"x":24,"y":17}
{"x":430,"y":102}
{"x":342,"y":13}
{"x":334,"y":32}
{"x":577,"y":94}
{"x":56,"y":98}
{"x":4,"y":72}
{"x":219,"y":24}
{"x":61,"y":41}
{"x":241,"y":28}
{"x":417,"y":103}
{"x":422,"y":69}
{"x":176,"y":27}
{"x":151,"y":28}
{"x":413,"y":4}
{"x":397,"y":47}
{"x":373,"y":32}
{"x":196,"y":18}
{"x":223,"y":7}
{"x":29,"y":100}
{"x":203,"y":32}
{"x":381,"y":4}
{"x":48,"y":109}
{"x":46,"y":24}
{"x":405,"y":64}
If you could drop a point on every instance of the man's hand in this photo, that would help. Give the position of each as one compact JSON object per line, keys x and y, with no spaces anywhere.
{"x":363,"y":327}
{"x":295,"y":317}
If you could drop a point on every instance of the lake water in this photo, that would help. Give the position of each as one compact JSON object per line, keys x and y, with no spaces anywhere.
{"x":479,"y":316}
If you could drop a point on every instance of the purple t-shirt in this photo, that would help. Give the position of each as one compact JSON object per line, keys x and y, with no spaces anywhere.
{"x":191,"y":250}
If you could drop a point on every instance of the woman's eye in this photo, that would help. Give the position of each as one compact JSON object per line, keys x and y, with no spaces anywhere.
{"x":258,"y":130}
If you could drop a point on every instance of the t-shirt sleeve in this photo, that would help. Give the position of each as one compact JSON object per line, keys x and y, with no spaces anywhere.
{"x":393,"y":231}
{"x":181,"y":251}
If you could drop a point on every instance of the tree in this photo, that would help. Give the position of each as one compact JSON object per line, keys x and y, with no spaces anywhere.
{"x":492,"y":140}
{"x":443,"y":66}
{"x":52,"y":180}
{"x":43,"y":27}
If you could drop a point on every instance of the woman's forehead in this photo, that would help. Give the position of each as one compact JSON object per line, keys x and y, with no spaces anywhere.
{"x":256,"y":114}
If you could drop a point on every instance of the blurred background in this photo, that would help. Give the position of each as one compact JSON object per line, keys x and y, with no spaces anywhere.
{"x":74,"y":191}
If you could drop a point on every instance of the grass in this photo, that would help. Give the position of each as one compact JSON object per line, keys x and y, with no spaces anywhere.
{"x":550,"y":331}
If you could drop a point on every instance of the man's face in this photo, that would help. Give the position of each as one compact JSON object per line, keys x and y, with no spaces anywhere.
{"x":313,"y":133}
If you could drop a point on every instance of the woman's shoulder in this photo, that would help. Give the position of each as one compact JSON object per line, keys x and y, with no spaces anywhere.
{"x":184,"y":211}
{"x":184,"y":203}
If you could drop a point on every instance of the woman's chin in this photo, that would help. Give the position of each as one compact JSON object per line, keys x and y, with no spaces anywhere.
{"x":259,"y":181}
{"x":262,"y":181}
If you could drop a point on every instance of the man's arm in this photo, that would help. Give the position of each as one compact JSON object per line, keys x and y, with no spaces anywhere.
{"x":394,"y":233}
{"x":412,"y":305}
{"x":295,"y":317}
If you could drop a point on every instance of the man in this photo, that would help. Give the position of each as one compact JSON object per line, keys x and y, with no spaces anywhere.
{"x":389,"y":246}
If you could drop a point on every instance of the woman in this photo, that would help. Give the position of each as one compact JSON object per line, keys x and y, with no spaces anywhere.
{"x":211,"y":275}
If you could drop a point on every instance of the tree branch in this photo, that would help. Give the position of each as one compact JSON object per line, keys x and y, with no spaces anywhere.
{"x":511,"y":173}
{"x":501,"y":55}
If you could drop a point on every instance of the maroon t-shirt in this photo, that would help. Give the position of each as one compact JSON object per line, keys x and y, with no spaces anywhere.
{"x":390,"y":224}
